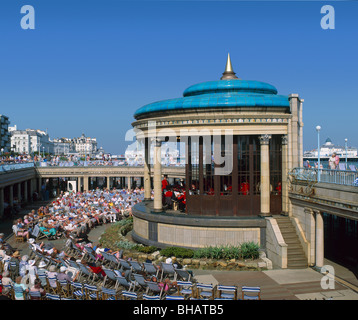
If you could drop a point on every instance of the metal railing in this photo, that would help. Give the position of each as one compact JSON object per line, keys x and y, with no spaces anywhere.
{"x":16,"y":166}
{"x":314,"y":175}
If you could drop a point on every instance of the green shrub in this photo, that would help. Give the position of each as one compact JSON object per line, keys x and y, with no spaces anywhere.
{"x":247,"y":250}
{"x":177,"y":252}
{"x":146,"y":249}
{"x":125,"y":229}
{"x":250,"y":250}
{"x":123,"y":244}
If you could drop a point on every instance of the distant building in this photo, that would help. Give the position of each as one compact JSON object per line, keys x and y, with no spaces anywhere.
{"x":30,"y":140}
{"x":62,"y":146}
{"x":4,"y":135}
{"x":328,"y":148}
{"x":85,"y":145}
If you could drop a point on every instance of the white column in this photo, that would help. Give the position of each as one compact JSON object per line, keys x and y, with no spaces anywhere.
{"x":284,"y":171}
{"x":157,"y":175}
{"x":319,"y":239}
{"x":147,"y":184}
{"x":85,"y":183}
{"x":265,"y":175}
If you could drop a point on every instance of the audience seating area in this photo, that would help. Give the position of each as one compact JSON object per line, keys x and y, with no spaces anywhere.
{"x":125,"y":280}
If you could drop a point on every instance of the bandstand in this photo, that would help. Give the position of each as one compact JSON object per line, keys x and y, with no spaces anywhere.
{"x":241,"y":138}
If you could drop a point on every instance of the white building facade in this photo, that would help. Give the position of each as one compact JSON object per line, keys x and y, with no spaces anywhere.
{"x":30,"y":140}
{"x":85,"y":145}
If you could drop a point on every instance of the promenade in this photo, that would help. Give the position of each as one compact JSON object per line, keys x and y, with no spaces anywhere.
{"x":277,"y":284}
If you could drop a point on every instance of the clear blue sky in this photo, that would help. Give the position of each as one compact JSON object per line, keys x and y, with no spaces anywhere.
{"x":89,"y":65}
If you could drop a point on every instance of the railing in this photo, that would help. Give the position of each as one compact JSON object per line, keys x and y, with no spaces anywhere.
{"x":96,"y":163}
{"x":16,"y":166}
{"x":313,"y":175}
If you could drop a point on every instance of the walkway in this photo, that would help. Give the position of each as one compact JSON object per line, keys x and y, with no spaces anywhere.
{"x":280,"y":284}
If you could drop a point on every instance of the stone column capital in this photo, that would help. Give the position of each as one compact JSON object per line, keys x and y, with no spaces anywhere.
{"x":308,"y":211}
{"x":284,"y":139}
{"x":157,"y":141}
{"x":265,"y":139}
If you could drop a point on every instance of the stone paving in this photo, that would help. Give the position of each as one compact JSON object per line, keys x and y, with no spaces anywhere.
{"x":277,"y":284}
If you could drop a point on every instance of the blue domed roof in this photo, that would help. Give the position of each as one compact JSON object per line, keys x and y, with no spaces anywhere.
{"x":221,"y":94}
{"x":230,"y":86}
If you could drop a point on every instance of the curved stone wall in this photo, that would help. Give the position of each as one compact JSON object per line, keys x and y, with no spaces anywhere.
{"x":179,"y":230}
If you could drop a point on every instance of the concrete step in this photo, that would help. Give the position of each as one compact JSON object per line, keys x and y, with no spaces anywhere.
{"x":296,"y":258}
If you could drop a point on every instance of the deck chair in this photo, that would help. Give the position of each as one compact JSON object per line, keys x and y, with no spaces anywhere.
{"x":122,"y":281}
{"x":205,"y":291}
{"x":174,"y":297}
{"x":77,"y":290}
{"x":136,"y":266}
{"x":151,"y":269}
{"x":37,"y":234}
{"x":186,"y":289}
{"x":226,"y":292}
{"x":149,"y":297}
{"x":89,"y":254}
{"x":342,"y":166}
{"x":153,"y":288}
{"x":42,"y":276}
{"x":129,"y":295}
{"x":49,"y":288}
{"x":139,"y":281}
{"x":251,"y":293}
{"x":111,"y":275}
{"x":34,"y":295}
{"x":74,"y":265}
{"x":86,"y":274}
{"x":124,"y":265}
{"x":63,"y":288}
{"x":353,"y":167}
{"x":108,"y":259}
{"x":50,"y":296}
{"x":182,"y":274}
{"x":168,"y":269}
{"x":109,"y":294}
{"x":91,"y":292}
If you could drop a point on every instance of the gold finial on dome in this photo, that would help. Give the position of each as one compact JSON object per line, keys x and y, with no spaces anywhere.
{"x":229,"y":72}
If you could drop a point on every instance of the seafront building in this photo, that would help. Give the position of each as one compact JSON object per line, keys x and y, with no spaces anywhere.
{"x":30,"y":140}
{"x":85,"y":145}
{"x":328,"y":148}
{"x":4,"y":134}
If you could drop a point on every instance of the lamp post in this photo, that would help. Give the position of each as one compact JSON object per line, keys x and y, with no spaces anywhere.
{"x":346,"y":140}
{"x":43,"y":152}
{"x":318,"y":128}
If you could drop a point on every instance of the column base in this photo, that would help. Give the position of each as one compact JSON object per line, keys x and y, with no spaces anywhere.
{"x":157,"y":210}
{"x":265,"y":214}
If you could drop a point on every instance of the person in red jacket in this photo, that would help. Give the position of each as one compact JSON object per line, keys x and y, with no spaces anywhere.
{"x":182,"y":201}
{"x":164,"y":183}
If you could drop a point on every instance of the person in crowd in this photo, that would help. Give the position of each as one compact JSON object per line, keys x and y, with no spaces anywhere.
{"x":37,"y":288}
{"x":20,"y":289}
{"x":14,"y":265}
{"x":333,"y":161}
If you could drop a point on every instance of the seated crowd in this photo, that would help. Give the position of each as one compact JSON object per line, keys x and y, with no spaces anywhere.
{"x":77,"y":213}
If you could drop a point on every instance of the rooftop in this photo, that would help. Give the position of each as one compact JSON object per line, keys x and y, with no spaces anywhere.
{"x":228,"y":92}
